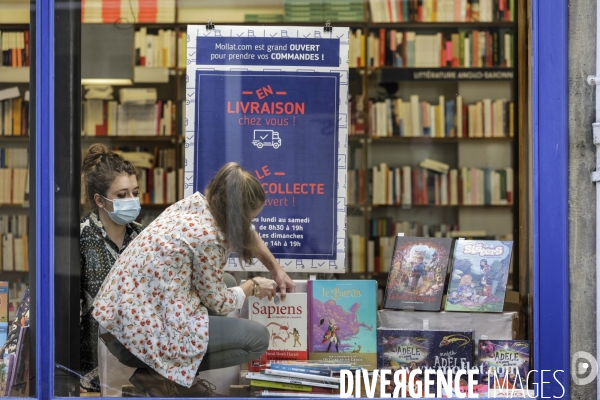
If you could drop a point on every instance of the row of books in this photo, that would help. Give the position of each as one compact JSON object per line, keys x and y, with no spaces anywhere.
{"x":465,"y":48}
{"x":158,"y":50}
{"x":14,"y":185}
{"x":416,"y":118}
{"x":442,"y":10}
{"x":407,"y":186}
{"x":109,"y":118}
{"x":15,"y":224}
{"x":15,"y":49}
{"x":159,"y":185}
{"x":318,"y":10}
{"x":14,"y":117}
{"x":13,"y":251}
{"x":128,"y":11}
{"x":14,"y":157}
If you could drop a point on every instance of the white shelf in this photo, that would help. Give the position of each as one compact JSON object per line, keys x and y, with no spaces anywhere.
{"x":14,"y":75}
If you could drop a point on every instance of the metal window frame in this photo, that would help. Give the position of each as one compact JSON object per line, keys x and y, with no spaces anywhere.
{"x":549,"y":183}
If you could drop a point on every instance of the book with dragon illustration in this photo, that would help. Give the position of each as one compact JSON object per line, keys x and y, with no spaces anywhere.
{"x":503,"y":363}
{"x":417,"y":274}
{"x":342,"y":322}
{"x":287,"y":325}
{"x":450,"y":350}
{"x":479,"y":274}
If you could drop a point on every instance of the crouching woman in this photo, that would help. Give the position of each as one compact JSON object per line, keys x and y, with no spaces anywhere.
{"x":161,"y":304}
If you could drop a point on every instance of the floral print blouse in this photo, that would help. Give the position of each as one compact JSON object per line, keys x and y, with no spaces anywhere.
{"x":156,"y":299}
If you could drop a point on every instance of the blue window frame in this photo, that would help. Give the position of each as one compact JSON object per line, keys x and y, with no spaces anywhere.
{"x":549,"y":182}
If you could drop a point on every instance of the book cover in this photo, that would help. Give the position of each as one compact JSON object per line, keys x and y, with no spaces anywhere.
{"x":342,"y":325}
{"x":290,"y":380}
{"x":450,"y":350}
{"x":287,"y":323}
{"x":417,"y":273}
{"x":317,"y":371}
{"x":402,"y":349}
{"x":500,"y":361}
{"x":479,"y":275}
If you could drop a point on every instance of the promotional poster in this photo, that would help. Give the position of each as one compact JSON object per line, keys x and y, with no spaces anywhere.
{"x":274,"y":99}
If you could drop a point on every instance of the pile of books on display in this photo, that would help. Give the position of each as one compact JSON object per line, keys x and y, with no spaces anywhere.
{"x":296,"y":379}
{"x":14,"y":112}
{"x":319,"y":10}
{"x":263,"y":18}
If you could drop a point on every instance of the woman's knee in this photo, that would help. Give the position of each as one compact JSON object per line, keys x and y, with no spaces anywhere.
{"x":261,"y":342}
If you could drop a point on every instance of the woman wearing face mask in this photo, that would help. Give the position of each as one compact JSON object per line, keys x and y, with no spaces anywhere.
{"x":111,"y":192}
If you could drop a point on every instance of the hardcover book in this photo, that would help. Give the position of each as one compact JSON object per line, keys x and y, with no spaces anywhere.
{"x":342,"y":324}
{"x":417,"y":273}
{"x":500,"y":361}
{"x":450,"y":350}
{"x":479,"y":274}
{"x":287,"y":324}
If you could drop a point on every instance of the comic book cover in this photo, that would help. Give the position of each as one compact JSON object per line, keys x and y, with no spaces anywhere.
{"x":342,"y":322}
{"x":503,"y":363}
{"x":287,"y":325}
{"x":417,"y":274}
{"x":479,"y":274}
{"x":450,"y":350}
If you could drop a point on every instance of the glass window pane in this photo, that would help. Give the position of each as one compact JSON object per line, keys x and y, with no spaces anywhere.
{"x":17,"y":249}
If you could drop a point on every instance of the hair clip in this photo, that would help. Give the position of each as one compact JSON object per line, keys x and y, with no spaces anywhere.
{"x":209,"y":25}
{"x":328,"y":27}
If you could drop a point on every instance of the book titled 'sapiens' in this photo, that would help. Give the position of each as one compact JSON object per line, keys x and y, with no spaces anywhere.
{"x":479,"y":274}
{"x":417,"y":274}
{"x":342,"y":324}
{"x":503,"y":363}
{"x":287,"y":325}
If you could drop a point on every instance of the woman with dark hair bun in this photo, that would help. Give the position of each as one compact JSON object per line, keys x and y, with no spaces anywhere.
{"x":163,"y":304}
{"x":111,"y":194}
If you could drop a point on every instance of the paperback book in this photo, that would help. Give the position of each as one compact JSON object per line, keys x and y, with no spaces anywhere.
{"x":287,"y":325}
{"x":342,"y":325}
{"x":504,"y":363}
{"x":450,"y":350}
{"x":417,"y":273}
{"x":479,"y":274}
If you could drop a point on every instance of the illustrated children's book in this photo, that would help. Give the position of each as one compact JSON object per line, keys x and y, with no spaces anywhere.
{"x":402,"y":349}
{"x":450,"y":350}
{"x":503,"y":363}
{"x":417,"y":274}
{"x":287,"y":324}
{"x":479,"y":275}
{"x":3,"y":311}
{"x":342,"y":324}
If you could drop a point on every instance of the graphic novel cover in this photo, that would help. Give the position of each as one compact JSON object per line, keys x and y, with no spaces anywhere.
{"x":450,"y":350}
{"x":402,"y":349}
{"x":417,"y":274}
{"x":503,"y":360}
{"x":342,"y":322}
{"x":479,"y":275}
{"x":287,"y":324}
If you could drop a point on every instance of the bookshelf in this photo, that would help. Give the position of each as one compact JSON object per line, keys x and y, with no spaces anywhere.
{"x":14,"y":158}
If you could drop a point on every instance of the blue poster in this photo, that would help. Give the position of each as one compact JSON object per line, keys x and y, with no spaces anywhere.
{"x":282,"y":126}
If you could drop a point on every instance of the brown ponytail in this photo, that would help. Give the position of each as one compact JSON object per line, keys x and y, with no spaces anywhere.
{"x":100,"y":167}
{"x":233,"y":195}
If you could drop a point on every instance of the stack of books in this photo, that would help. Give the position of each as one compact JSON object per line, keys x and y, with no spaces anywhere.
{"x":303,"y":10}
{"x":343,"y":10}
{"x":297,"y":379}
{"x":155,"y":50}
{"x":15,"y":49}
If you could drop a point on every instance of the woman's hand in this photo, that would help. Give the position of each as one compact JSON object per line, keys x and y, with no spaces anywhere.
{"x":284,"y":282}
{"x":268,"y":287}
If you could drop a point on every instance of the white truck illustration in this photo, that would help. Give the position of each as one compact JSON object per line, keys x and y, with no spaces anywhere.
{"x":266,"y":137}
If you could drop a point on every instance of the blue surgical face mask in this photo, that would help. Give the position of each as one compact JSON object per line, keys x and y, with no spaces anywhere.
{"x":124,"y":210}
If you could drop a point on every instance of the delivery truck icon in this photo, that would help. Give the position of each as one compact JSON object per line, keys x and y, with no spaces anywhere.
{"x":266,"y":137}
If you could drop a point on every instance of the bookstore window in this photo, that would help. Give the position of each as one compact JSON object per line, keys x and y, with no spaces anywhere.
{"x":434,"y":189}
{"x":17,"y":221}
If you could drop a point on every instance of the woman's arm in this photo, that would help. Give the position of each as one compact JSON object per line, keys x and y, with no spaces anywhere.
{"x":264,"y":255}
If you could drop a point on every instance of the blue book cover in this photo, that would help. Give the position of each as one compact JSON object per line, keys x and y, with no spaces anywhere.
{"x":301,"y":369}
{"x":503,"y":363}
{"x":450,"y":119}
{"x":479,"y":274}
{"x":342,"y":322}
